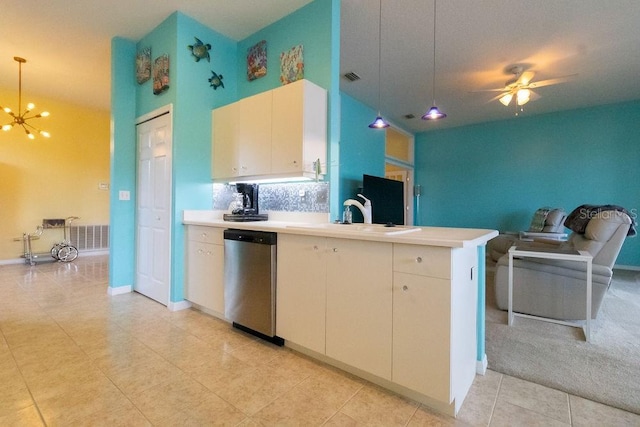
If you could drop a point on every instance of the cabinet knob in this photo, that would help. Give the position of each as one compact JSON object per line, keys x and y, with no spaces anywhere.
{"x":208,"y":252}
{"x":335,"y":249}
{"x":405,"y":288}
{"x":244,"y":168}
{"x":234,"y":169}
{"x":200,"y":251}
{"x":315,"y":248}
{"x":419,"y":259}
{"x":203,"y":235}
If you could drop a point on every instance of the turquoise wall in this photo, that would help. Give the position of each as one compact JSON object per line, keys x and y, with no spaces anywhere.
{"x":122,"y":164}
{"x":310,"y":26}
{"x":192,"y":105}
{"x":495,"y":175}
{"x":316,"y":26}
{"x":362,"y":150}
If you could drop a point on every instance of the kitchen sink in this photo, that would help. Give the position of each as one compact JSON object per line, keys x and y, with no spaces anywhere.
{"x":358,"y":228}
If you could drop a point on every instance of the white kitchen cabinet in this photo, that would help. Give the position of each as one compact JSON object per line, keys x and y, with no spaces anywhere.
{"x":204,"y":280}
{"x":359,"y":304}
{"x":242,"y":138}
{"x":223,"y":151}
{"x":434,"y":320}
{"x":299,"y":128}
{"x":253,"y":130}
{"x":277,"y":133}
{"x":301,"y":294}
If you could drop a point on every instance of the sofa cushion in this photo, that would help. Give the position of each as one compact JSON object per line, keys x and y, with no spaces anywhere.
{"x":604,"y":224}
{"x":554,"y":221}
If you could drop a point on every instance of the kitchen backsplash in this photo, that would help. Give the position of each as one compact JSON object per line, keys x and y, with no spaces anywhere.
{"x":288,"y":197}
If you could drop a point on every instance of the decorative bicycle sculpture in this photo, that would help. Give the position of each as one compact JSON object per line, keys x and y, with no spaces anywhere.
{"x":65,"y":251}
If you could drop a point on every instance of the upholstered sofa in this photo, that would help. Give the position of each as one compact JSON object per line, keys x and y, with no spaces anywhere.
{"x":556,"y":289}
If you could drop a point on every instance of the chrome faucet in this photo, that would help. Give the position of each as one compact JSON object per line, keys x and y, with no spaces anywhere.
{"x":365,"y":209}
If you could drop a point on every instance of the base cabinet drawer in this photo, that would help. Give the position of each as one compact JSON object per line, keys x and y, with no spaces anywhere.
{"x":422,"y":260}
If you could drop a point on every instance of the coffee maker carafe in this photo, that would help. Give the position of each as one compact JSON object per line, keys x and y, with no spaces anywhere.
{"x":245,"y":206}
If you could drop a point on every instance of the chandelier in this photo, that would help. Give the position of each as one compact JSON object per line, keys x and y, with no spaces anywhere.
{"x":21,"y":118}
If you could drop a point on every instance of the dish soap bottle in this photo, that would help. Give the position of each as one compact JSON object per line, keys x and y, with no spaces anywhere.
{"x":346,"y":215}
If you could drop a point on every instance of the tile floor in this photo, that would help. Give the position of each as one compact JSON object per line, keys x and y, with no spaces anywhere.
{"x":72,"y":355}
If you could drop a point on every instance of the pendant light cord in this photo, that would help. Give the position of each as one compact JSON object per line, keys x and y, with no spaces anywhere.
{"x":379,"y":54}
{"x":434,"y":53}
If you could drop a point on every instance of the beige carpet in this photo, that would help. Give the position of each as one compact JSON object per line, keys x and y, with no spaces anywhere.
{"x":605,"y":370}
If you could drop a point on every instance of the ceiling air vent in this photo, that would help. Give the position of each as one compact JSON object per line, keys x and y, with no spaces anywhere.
{"x":351,"y":76}
{"x":409,"y":116}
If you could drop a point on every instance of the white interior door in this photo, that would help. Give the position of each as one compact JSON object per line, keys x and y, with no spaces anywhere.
{"x":153,"y":230}
{"x":405,"y":176}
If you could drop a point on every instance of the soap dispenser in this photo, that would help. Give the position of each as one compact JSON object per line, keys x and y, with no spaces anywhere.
{"x":346,"y":215}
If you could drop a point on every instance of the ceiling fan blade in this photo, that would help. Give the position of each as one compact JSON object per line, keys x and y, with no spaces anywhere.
{"x":554,"y":81}
{"x":525,"y":77}
{"x":488,"y":90}
{"x":533,"y":96}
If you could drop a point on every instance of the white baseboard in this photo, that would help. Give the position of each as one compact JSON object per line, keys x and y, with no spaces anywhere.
{"x":119,"y":290}
{"x":481,"y":365}
{"x":82,"y":254}
{"x":180,"y":305}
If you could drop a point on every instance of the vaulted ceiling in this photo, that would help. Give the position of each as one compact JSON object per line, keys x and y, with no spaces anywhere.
{"x":67,"y":45}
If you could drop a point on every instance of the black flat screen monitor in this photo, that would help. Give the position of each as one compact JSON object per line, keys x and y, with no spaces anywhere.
{"x":387,"y":199}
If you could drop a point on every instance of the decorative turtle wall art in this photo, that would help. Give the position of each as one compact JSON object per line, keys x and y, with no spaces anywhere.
{"x":200,"y":50}
{"x":216,"y":80}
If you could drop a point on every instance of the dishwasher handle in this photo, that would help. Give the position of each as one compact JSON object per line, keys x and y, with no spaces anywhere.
{"x":251,"y":236}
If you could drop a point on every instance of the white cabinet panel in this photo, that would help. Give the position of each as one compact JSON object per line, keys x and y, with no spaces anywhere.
{"x":301,"y":293}
{"x":299,"y":128}
{"x":421,"y":337}
{"x":359,"y":303}
{"x":204,"y":276}
{"x":277,"y":133}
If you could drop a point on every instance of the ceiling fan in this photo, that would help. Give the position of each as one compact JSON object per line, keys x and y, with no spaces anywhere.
{"x":520,"y":86}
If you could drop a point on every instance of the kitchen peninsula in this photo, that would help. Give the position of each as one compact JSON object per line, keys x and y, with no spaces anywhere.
{"x":394,"y":305}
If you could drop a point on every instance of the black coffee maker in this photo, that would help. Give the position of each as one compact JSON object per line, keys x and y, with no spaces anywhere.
{"x":245,"y":207}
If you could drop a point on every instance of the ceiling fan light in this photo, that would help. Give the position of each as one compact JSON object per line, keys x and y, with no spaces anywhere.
{"x":433,"y":114}
{"x":379,"y":123}
{"x":506,"y":99}
{"x":523,"y":96}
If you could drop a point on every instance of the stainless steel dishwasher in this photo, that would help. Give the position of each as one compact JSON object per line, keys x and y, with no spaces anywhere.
{"x":250,"y":282}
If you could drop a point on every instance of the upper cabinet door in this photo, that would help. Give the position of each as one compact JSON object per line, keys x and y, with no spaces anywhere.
{"x":224,"y":159}
{"x":254,"y":134}
{"x":299,"y":133}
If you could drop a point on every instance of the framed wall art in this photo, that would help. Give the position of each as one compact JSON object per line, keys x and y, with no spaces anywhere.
{"x":291,"y":65}
{"x":143,"y":65}
{"x":161,"y":74}
{"x":257,"y":60}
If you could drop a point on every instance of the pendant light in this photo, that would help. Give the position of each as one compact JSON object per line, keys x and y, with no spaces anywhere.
{"x":379,"y":122}
{"x":20,"y":118}
{"x":434,"y":113}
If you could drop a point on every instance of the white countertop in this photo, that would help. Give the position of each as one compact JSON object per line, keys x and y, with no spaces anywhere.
{"x":307,"y":224}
